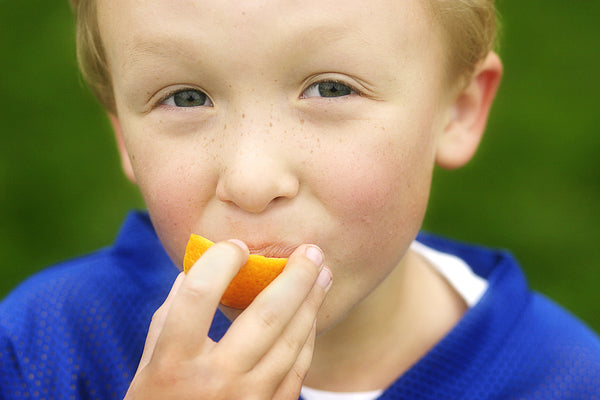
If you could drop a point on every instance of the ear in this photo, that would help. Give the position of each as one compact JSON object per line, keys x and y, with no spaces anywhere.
{"x":468,"y":115}
{"x":125,"y":161}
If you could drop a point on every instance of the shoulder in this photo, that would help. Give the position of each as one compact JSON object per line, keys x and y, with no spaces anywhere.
{"x":81,"y":324}
{"x":563,"y":352}
{"x":546,"y":353}
{"x":58,"y":292}
{"x":517,"y":343}
{"x":134,"y":267}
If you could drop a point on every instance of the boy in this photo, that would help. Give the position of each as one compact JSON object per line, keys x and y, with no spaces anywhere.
{"x":305,"y":130}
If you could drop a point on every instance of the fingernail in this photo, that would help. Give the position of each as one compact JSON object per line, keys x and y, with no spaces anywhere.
{"x":239,"y":243}
{"x":324,"y":278}
{"x":314,"y":254}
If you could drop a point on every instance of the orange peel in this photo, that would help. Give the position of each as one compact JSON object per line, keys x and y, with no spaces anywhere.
{"x":250,"y":280}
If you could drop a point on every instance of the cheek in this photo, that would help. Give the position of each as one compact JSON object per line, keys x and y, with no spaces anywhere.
{"x":371,"y":184}
{"x":378,"y":192}
{"x":171,"y":206}
{"x":176,"y":185}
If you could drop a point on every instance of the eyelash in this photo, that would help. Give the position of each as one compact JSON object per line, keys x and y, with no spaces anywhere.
{"x":172,"y":94}
{"x":312,"y":86}
{"x":353,"y":90}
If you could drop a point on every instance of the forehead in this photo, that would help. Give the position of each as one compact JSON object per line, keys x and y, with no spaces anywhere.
{"x":267,"y":26}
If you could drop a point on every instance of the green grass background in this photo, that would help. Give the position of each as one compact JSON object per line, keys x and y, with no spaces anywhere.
{"x":533,"y":188}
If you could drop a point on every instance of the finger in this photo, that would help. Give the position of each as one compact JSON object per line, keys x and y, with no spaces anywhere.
{"x":284,"y":354}
{"x":292,"y":383}
{"x":264,"y":320}
{"x":157,"y":323}
{"x":190,"y":316}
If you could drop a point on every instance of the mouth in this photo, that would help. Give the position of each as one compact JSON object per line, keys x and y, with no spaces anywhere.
{"x":273,"y":250}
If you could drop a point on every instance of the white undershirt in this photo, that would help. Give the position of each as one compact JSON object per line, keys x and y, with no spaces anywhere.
{"x":456,"y":272}
{"x":314,"y":394}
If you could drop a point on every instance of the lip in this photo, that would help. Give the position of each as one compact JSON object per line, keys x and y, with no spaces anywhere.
{"x":274,"y":250}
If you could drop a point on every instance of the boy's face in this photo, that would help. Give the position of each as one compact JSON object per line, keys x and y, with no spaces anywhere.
{"x":308,"y":122}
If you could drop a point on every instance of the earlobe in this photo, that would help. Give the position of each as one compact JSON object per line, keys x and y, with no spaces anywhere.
{"x":125,"y":161}
{"x":468,"y":115}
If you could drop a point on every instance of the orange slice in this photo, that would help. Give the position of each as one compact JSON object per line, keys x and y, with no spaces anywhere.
{"x":250,"y":280}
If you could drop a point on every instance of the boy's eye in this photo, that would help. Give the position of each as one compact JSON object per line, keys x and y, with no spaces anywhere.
{"x":188,"y":98}
{"x":328,"y":89}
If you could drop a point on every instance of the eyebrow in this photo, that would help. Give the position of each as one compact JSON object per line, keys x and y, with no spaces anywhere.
{"x":148,"y":51}
{"x":164,"y":47}
{"x":174,"y":45}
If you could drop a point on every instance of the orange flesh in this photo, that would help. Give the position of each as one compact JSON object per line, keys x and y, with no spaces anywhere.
{"x":251,"y":279}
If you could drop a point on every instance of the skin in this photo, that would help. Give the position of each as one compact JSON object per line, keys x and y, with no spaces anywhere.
{"x":270,"y":162}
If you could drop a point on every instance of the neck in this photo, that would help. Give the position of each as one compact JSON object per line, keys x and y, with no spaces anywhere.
{"x":389,"y":331}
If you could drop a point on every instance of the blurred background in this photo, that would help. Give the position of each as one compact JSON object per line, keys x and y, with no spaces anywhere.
{"x":533,"y":188}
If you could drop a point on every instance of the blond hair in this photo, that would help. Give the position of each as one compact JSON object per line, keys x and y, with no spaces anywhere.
{"x":469,"y":29}
{"x":90,"y":52}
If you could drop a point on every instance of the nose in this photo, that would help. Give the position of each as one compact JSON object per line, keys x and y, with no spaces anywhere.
{"x":255,"y":175}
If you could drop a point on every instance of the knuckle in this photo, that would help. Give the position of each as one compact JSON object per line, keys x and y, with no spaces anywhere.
{"x":297,"y":374}
{"x":206,"y":381}
{"x":158,"y":318}
{"x":293,"y":342}
{"x":158,"y":315}
{"x":198,"y":290}
{"x":268,"y":318}
{"x":163,"y":372}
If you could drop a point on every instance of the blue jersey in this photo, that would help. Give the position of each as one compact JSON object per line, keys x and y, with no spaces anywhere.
{"x":77,"y":331}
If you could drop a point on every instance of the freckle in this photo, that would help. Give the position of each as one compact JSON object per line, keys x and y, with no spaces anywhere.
{"x":225,"y":127}
{"x":243,"y":115}
{"x":270,"y":124}
{"x":302,"y":121}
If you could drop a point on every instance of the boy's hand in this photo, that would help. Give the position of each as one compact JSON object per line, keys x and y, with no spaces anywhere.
{"x":266,"y":352}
